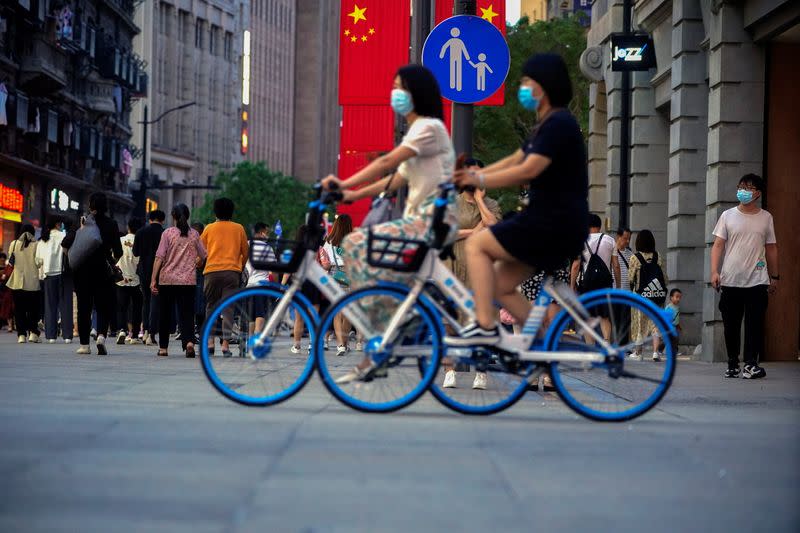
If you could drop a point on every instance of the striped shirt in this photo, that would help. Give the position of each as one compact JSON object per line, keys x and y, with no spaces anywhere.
{"x":624,"y":258}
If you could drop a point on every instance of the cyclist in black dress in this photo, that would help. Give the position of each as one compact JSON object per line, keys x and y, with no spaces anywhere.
{"x":553,"y":227}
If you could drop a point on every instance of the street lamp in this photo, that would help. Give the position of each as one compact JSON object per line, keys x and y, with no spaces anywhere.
{"x":141,"y":197}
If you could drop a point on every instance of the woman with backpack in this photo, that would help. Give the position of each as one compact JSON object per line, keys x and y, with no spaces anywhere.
{"x":25,"y":285}
{"x":331,"y":260}
{"x":647,"y":278}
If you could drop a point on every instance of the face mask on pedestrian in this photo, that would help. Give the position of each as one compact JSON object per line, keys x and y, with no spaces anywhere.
{"x":744,"y":196}
{"x":526,"y":98}
{"x":401,"y":102}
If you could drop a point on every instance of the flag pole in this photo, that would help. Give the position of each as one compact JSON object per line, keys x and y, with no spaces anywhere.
{"x":463,"y":113}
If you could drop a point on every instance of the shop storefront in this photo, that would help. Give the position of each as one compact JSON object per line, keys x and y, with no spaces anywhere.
{"x":11,"y":208}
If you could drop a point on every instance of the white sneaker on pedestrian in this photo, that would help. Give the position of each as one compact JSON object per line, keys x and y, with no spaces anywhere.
{"x":359,"y":346}
{"x":295,"y":348}
{"x":656,"y":356}
{"x":341,"y":350}
{"x":67,"y":341}
{"x":449,"y":380}
{"x":135,"y":340}
{"x":121,"y":337}
{"x":148,"y":340}
{"x":33,"y":337}
{"x":479,"y":383}
{"x":21,"y":339}
{"x":51,"y":341}
{"x":101,"y":345}
{"x":83,"y":350}
{"x":93,"y":333}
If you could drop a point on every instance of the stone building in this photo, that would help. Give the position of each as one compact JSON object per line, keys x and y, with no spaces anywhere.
{"x":720,"y":104}
{"x":193,"y":51}
{"x":68,"y":79}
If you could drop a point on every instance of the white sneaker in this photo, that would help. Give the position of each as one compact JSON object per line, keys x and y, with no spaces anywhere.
{"x":67,"y":341}
{"x":135,"y":340}
{"x":325,"y":344}
{"x":635,"y":356}
{"x":33,"y":337}
{"x":341,"y":350}
{"x":295,"y":348}
{"x":51,"y":341}
{"x":359,"y":346}
{"x":101,"y":345}
{"x":93,"y":333}
{"x":148,"y":340}
{"x":83,"y":350}
{"x":656,"y":356}
{"x":21,"y":339}
{"x":121,"y":337}
{"x":480,"y":381}
{"x":449,"y":380}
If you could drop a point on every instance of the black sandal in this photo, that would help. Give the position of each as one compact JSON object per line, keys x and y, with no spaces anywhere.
{"x":190,"y":351}
{"x":162,"y":353}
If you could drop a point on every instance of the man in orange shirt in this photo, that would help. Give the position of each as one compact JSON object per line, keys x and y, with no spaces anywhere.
{"x":228,"y":252}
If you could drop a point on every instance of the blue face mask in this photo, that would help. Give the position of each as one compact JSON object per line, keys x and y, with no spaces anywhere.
{"x":744,"y":196}
{"x":401,"y":102}
{"x":526,"y":98}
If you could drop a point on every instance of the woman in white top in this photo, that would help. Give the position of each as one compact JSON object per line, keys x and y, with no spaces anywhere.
{"x":129,"y":292}
{"x":332,"y":260}
{"x":424,"y":159}
{"x":50,"y":255}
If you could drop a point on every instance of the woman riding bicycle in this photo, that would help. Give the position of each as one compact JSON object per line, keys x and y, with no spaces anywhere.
{"x":553,"y":227}
{"x":424,"y":159}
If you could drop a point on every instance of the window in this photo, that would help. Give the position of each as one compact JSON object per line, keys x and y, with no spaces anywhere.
{"x":213,"y":47}
{"x":228,"y":46}
{"x":198,"y":33}
{"x":184,"y":22}
{"x":164,"y":19}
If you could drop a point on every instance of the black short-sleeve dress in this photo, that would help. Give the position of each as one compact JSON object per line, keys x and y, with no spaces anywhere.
{"x":551,"y":230}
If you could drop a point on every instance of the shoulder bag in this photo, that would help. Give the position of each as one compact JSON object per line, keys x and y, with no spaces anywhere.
{"x":381,"y":209}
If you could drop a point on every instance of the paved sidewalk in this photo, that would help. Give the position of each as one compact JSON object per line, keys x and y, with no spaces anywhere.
{"x":132,"y":442}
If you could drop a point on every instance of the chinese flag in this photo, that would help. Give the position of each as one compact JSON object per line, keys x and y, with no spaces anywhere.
{"x":495,"y":12}
{"x":373,"y":44}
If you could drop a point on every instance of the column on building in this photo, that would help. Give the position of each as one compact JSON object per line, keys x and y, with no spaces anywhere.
{"x":598,"y":150}
{"x":735,"y":135}
{"x":613,"y":84}
{"x":687,"y":164}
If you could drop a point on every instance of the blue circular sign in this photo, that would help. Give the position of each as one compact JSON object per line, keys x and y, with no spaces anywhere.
{"x":469,"y":57}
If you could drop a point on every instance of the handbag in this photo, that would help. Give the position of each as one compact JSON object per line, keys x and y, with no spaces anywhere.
{"x":8,"y":269}
{"x":87,"y":240}
{"x":381,"y":209}
{"x":113,"y":272}
{"x":339,"y":275}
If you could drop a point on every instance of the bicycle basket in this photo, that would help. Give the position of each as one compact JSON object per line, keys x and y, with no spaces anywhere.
{"x":395,"y":253}
{"x":276,"y":255}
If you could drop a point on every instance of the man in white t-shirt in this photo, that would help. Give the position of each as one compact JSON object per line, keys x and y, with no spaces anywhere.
{"x":746,"y":250}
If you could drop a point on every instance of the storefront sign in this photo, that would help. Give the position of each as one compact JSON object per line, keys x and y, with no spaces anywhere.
{"x":10,"y":215}
{"x":60,"y":201}
{"x":632,"y":52}
{"x":11,"y":199}
{"x":150,"y":205}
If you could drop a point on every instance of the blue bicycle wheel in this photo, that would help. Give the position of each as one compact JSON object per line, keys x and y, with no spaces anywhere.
{"x":258,"y":371}
{"x":398,"y":380}
{"x":624,"y":386}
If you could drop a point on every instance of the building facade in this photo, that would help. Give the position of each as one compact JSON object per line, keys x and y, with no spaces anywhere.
{"x":68,"y":80}
{"x":270,"y":123}
{"x":316,"y":97}
{"x":193,"y":51}
{"x":533,"y":9}
{"x":719,"y":104}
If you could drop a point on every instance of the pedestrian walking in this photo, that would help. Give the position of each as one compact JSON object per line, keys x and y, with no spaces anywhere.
{"x":25,"y":285}
{"x":129,"y":291}
{"x":228,"y":252}
{"x":622,"y":313}
{"x":199,"y":299}
{"x":332,"y":260}
{"x":6,"y":298}
{"x":744,"y":267}
{"x":93,"y":275}
{"x":145,"y":244}
{"x":673,"y":307}
{"x":309,"y":290}
{"x":179,"y":254}
{"x":259,"y":306}
{"x":593,"y":269}
{"x":50,"y":255}
{"x":647,"y":278}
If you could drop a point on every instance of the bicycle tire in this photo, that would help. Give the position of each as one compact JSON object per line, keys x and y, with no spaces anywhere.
{"x":212,"y":364}
{"x":610,"y":297}
{"x":429,"y":319}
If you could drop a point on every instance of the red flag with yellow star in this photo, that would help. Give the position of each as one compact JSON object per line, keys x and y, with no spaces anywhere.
{"x":373,"y":44}
{"x":495,"y":12}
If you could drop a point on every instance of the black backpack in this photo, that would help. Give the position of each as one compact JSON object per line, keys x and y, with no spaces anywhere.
{"x":651,"y":280}
{"x":596,"y":275}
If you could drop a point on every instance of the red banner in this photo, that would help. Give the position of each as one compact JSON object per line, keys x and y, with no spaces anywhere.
{"x":351,"y":162}
{"x":495,"y":12}
{"x":373,"y":44}
{"x":367,"y":128}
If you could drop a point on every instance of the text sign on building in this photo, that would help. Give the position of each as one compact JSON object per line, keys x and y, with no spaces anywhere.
{"x":11,"y":199}
{"x":469,"y":57}
{"x":632,"y":52}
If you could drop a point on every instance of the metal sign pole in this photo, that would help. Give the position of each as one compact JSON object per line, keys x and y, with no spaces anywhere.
{"x":463,"y":113}
{"x":625,"y":128}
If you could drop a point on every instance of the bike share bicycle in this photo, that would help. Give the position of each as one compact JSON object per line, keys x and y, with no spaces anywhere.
{"x":591,"y":374}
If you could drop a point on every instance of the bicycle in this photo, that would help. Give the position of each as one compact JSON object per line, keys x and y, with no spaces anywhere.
{"x":267,"y":370}
{"x":591,"y":373}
